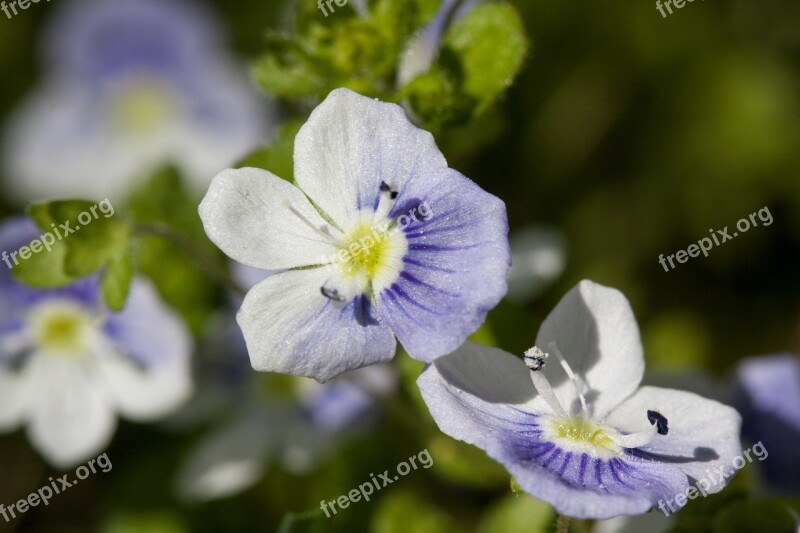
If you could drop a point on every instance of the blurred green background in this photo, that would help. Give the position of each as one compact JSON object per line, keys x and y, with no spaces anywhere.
{"x":631,"y":134}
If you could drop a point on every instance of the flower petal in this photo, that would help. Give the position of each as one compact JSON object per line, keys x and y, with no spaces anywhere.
{"x":291,"y":328}
{"x":16,"y":394}
{"x":482,"y":396}
{"x":245,"y":215}
{"x":596,"y":332}
{"x":148,"y":371}
{"x":703,"y":434}
{"x":350,"y":144}
{"x":228,"y":461}
{"x":71,"y":418}
{"x":455,"y":269}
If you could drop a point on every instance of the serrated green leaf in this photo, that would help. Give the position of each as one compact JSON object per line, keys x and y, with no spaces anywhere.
{"x":491,"y":45}
{"x":115,"y":284}
{"x":44,"y":270}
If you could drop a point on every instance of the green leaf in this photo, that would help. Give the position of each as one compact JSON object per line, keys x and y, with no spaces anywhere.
{"x":278,"y":156}
{"x":91,"y":234}
{"x":115,"y":284}
{"x":79,"y":238}
{"x":491,"y":45}
{"x":286,"y":70}
{"x":152,"y":522}
{"x":464,"y":464}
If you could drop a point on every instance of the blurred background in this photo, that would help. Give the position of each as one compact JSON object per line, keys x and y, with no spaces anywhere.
{"x":624,"y":135}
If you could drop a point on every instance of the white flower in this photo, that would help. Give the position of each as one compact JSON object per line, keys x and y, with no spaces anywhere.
{"x":68,"y":366}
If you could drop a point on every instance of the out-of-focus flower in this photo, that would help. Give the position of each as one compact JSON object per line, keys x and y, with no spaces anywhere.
{"x":378,"y":238}
{"x":68,"y":366}
{"x":130,"y":85}
{"x":298,"y":431}
{"x":538,"y":257}
{"x":593,"y":444}
{"x":767,"y":393}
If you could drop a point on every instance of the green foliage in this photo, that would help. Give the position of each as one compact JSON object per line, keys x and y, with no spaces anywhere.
{"x":164,"y":203}
{"x":98,"y":242}
{"x":476,"y":60}
{"x":152,"y":522}
{"x":406,"y":512}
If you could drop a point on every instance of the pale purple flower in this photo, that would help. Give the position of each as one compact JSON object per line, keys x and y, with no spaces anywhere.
{"x":574,"y":428}
{"x":355,"y":271}
{"x":69,"y":367}
{"x":130,"y":86}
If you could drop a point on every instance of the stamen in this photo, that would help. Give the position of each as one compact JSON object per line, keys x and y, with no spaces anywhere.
{"x":535,"y":359}
{"x":331,"y":294}
{"x":636,"y":440}
{"x":323,"y":231}
{"x":576,"y":381}
{"x":387,"y":200}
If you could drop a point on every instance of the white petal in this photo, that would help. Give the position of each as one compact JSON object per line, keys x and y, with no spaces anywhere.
{"x":16,"y":392}
{"x":291,"y":328}
{"x":350,"y":144}
{"x":72,"y":419}
{"x":228,"y":461}
{"x":147,"y":372}
{"x":487,"y":382}
{"x":244,"y":213}
{"x":703,"y":434}
{"x":595,"y":330}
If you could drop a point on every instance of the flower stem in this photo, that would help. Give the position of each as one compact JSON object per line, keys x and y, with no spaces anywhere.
{"x":204,"y":259}
{"x":562,"y":524}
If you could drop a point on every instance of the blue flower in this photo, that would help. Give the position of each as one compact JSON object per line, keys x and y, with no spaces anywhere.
{"x":588,"y":441}
{"x":378,"y":238}
{"x":767,"y":393}
{"x":68,"y":366}
{"x":130,"y":85}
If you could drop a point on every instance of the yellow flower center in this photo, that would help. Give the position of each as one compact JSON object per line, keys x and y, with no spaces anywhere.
{"x":61,"y":328}
{"x":371,"y":253}
{"x":140,"y":107}
{"x":581,"y":435}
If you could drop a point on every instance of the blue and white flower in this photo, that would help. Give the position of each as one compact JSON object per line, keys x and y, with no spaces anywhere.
{"x":130,"y":85}
{"x":68,"y":366}
{"x":574,"y":428}
{"x":377,"y":238}
{"x":767,"y":393}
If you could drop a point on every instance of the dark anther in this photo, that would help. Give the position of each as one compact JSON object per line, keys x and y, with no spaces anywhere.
{"x":331,"y":294}
{"x":534,"y":359}
{"x":659,"y":420}
{"x":385,"y":187}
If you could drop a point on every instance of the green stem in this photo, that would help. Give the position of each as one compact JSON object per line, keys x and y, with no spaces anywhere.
{"x":562,"y":524}
{"x":206,"y":260}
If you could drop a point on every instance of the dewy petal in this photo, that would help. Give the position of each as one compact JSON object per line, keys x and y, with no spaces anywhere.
{"x":350,"y":144}
{"x":482,"y":396}
{"x":71,"y":418}
{"x":594,"y":328}
{"x":147,"y":370}
{"x":245,"y":215}
{"x":312,"y":337}
{"x":455,"y":269}
{"x":703,"y":434}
